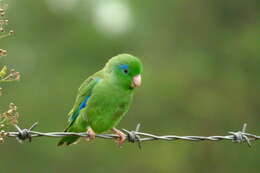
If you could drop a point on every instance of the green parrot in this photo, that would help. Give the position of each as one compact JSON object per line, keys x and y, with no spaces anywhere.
{"x":104,"y":98}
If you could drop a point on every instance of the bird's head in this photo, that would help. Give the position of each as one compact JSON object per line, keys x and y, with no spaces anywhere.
{"x":125,"y":70}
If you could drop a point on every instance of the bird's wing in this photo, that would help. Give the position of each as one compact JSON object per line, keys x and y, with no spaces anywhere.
{"x":84,"y":94}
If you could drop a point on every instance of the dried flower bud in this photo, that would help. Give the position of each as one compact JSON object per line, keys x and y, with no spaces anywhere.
{"x":11,"y":115}
{"x":12,"y":105}
{"x":2,"y":13}
{"x":17,"y":76}
{"x":3,"y":52}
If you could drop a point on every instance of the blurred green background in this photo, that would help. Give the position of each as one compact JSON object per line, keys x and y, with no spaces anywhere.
{"x":201,"y":77}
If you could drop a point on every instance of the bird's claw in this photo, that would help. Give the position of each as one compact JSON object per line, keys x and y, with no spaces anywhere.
{"x":121,"y":137}
{"x":91,"y":134}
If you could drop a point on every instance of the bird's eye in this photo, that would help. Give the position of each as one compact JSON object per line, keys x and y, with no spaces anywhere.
{"x":124,"y":68}
{"x":125,"y":71}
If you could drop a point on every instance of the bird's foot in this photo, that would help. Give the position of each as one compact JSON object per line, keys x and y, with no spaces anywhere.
{"x":122,"y":137}
{"x":91,"y":134}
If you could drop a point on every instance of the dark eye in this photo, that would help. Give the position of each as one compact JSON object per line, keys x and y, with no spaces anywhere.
{"x":125,"y":68}
{"x":125,"y":71}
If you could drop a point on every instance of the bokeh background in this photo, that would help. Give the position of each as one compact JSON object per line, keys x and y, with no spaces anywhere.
{"x":201,"y":77}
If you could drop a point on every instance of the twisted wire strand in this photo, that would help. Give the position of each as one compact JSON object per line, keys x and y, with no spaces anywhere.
{"x":135,"y":136}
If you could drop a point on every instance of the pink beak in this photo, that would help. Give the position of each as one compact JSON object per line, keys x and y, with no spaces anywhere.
{"x":137,"y":81}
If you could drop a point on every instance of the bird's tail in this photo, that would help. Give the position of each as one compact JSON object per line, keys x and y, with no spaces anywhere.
{"x":67,"y":140}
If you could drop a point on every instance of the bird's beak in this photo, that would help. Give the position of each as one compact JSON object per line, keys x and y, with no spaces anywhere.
{"x":137,"y":81}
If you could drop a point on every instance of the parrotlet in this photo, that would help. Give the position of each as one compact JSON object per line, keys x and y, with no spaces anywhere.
{"x":104,"y":98}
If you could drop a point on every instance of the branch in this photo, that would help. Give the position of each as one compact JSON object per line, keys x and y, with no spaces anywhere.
{"x":135,"y":136}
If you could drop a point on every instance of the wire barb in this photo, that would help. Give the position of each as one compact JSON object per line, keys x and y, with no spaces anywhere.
{"x":135,"y":136}
{"x":22,"y":134}
{"x":241,"y":136}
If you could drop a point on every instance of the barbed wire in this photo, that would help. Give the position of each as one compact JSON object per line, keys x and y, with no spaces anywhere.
{"x":135,"y":136}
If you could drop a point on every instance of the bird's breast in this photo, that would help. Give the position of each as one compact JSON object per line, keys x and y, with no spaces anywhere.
{"x":107,"y":106}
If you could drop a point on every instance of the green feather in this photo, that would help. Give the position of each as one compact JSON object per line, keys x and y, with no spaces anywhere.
{"x":110,"y":94}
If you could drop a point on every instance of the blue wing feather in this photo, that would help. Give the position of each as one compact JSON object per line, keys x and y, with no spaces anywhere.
{"x":82,"y":105}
